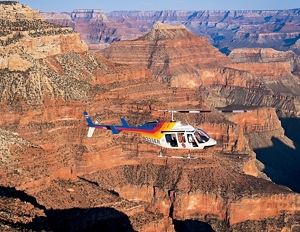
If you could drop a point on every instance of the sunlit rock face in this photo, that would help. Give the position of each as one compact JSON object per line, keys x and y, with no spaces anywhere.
{"x":53,"y":177}
{"x":27,"y":36}
{"x":277,"y":74}
{"x":250,"y":77}
{"x":174,"y":54}
{"x":226,"y":29}
{"x":273,"y":63}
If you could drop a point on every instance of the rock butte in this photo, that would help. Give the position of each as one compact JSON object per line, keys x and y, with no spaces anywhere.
{"x":55,"y":178}
{"x":226,"y":29}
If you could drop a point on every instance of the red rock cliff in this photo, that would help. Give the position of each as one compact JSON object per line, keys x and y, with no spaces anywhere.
{"x":165,"y":50}
{"x":60,"y":179}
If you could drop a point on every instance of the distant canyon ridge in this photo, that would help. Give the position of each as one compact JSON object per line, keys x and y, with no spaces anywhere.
{"x":226,"y":30}
{"x":54,"y":178}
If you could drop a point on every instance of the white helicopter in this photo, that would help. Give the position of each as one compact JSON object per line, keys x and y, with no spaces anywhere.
{"x":166,"y":134}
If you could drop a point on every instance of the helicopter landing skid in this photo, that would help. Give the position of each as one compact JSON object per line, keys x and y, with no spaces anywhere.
{"x":175,"y":157}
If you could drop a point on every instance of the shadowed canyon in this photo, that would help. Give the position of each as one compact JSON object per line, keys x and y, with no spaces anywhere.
{"x":54,"y":178}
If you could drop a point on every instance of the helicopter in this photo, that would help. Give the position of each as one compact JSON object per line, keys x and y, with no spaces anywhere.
{"x":166,"y":134}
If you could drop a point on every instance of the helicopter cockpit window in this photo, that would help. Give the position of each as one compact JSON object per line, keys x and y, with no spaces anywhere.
{"x":171,"y":138}
{"x":201,"y":136}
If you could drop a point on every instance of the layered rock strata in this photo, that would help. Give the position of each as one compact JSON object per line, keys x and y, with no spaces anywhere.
{"x":55,"y":178}
{"x":174,"y":55}
{"x":253,"y":76}
{"x":225,"y":29}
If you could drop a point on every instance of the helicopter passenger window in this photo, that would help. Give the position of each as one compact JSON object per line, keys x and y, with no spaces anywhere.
{"x":181,"y":137}
{"x":192,"y":140}
{"x":171,"y":138}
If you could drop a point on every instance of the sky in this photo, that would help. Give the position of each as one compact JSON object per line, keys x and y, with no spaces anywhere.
{"x":157,"y":5}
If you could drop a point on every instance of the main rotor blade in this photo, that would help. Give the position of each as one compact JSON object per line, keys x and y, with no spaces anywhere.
{"x":181,"y":111}
{"x":204,"y":111}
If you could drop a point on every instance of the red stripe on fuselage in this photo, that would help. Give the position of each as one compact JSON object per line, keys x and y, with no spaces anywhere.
{"x":142,"y":130}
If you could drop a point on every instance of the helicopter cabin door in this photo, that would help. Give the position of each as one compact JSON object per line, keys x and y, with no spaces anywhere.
{"x":191,"y":140}
{"x":171,"y":139}
{"x":180,"y":140}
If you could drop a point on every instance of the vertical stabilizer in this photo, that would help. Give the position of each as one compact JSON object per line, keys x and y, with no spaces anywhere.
{"x":91,"y":132}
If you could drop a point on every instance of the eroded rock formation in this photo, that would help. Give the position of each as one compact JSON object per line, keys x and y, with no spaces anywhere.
{"x":252,"y":76}
{"x":225,"y":29}
{"x":53,"y":177}
{"x":174,"y":55}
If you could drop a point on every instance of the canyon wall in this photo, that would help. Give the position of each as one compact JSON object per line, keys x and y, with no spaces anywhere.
{"x":251,"y":77}
{"x":53,"y":177}
{"x":225,"y":29}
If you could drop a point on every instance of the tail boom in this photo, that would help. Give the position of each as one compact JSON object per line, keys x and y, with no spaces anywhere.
{"x":117,"y":129}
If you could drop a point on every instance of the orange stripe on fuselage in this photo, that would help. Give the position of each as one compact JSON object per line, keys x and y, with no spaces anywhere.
{"x":155,"y":133}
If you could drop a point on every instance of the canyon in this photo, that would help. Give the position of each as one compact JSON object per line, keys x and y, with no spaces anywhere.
{"x":54,"y":178}
{"x":225,"y":29}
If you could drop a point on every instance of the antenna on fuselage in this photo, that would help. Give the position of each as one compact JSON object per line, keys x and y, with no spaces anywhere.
{"x":169,"y":111}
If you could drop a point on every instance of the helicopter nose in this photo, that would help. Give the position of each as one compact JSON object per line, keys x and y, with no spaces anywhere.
{"x":212,"y":142}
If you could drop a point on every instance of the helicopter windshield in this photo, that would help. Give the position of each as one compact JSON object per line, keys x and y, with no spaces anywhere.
{"x":201,"y":136}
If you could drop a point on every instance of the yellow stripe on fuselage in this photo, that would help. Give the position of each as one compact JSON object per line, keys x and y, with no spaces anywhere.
{"x":167,"y":126}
